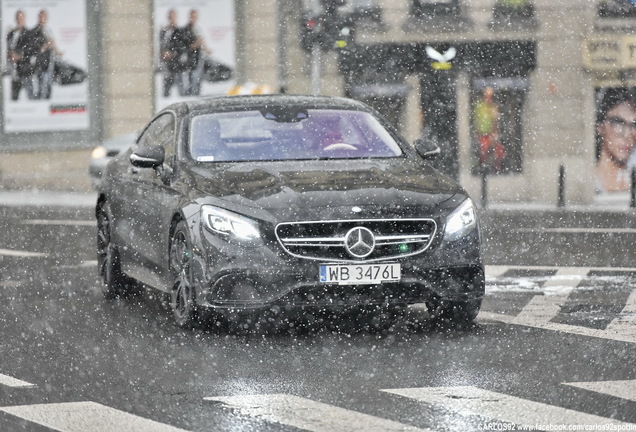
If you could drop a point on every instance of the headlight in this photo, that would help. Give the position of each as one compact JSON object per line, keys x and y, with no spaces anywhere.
{"x":99,"y":152}
{"x":231,"y":224}
{"x":461,"y":221}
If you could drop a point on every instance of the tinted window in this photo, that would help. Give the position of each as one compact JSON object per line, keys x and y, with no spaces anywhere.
{"x":160,"y":132}
{"x":308,"y":134}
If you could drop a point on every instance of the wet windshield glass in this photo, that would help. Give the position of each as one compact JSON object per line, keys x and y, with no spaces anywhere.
{"x":311,"y":134}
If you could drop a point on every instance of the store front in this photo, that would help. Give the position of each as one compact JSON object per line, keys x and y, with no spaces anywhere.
{"x":378,"y":74}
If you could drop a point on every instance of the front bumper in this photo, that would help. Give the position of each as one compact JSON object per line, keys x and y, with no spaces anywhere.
{"x":231,"y":277}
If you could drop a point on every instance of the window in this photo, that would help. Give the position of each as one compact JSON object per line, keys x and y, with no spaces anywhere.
{"x":496,"y":125}
{"x":367,"y":15}
{"x":617,"y":9}
{"x":436,"y":15}
{"x":160,"y":133}
{"x":513,"y":14}
{"x":287,"y":135}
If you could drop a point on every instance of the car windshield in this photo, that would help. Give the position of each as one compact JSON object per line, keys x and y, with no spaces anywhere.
{"x":288,"y":134}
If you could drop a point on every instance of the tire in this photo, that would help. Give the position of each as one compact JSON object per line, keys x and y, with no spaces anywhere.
{"x":454,"y":312}
{"x":114,"y":282}
{"x":182,"y":296}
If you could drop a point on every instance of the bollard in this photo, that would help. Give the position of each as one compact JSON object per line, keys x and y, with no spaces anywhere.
{"x":561,"y":198}
{"x":632,"y":203}
{"x":484,"y":188}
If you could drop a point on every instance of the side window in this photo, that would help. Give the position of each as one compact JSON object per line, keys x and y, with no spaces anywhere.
{"x":161,"y":132}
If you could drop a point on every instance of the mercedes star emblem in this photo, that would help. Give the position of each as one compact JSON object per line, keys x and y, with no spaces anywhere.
{"x":359,"y":242}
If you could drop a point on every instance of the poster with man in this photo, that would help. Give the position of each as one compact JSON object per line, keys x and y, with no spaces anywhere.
{"x":44,"y":63}
{"x":195,"y":49}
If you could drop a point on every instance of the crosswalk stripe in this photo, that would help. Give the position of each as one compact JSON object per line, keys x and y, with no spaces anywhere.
{"x":17,"y":253}
{"x":473,"y":401}
{"x":567,"y":277}
{"x":624,"y":389}
{"x":500,"y":270}
{"x":60,"y":222}
{"x":628,"y":335}
{"x":541,"y":309}
{"x":8,"y":381}
{"x":308,"y":415}
{"x":85,"y":416}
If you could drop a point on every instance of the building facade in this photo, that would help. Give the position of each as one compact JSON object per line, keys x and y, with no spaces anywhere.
{"x":510,"y":89}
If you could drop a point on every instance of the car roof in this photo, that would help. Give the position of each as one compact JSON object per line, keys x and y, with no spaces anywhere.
{"x":251,"y":102}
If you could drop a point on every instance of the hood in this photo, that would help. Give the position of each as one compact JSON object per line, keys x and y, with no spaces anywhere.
{"x":298,"y":187}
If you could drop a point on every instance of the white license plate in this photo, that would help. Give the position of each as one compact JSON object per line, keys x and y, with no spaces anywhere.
{"x":359,"y":274}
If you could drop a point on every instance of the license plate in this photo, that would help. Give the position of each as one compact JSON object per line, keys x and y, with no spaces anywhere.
{"x":359,"y":274}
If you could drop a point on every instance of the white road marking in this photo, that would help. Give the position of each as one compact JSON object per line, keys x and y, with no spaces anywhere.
{"x":498,"y":270}
{"x":625,"y":389}
{"x":8,"y":381}
{"x":567,"y":277}
{"x":59,"y":222}
{"x":579,"y":230}
{"x":473,"y":401}
{"x":23,"y":254}
{"x":85,"y":416}
{"x":308,"y":415}
{"x":543,"y":308}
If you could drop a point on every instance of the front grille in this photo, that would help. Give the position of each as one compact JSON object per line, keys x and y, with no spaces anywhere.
{"x":325,"y":240}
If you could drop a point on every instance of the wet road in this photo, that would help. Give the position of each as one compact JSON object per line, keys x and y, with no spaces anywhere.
{"x":553,"y":346}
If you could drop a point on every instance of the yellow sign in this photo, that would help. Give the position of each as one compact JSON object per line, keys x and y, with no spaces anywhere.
{"x":442,"y":65}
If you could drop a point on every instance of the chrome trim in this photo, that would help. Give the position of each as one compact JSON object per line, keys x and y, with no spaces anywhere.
{"x":382,"y":240}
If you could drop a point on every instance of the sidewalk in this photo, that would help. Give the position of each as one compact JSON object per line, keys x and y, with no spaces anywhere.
{"x":44,"y":198}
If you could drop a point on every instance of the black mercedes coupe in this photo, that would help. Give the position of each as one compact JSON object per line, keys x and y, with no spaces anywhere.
{"x":276,"y":203}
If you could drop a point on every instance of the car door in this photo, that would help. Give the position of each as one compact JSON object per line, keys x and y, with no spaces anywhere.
{"x":144,"y":191}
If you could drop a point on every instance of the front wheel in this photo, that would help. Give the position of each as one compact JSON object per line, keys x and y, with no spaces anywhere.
{"x":182,"y":298}
{"x":115,"y":282}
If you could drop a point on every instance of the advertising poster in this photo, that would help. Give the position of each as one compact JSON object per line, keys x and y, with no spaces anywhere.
{"x":497,"y":110}
{"x":194,"y":49}
{"x":44,"y":64}
{"x":615,"y":139}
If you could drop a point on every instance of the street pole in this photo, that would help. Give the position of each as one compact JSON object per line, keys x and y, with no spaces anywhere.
{"x":282,"y":48}
{"x":316,"y":68}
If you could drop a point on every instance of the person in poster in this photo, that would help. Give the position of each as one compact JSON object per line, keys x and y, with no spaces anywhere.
{"x":616,"y":139}
{"x":15,"y":58}
{"x":44,"y":58}
{"x":46,"y":91}
{"x":172,"y":48}
{"x":200,"y":29}
{"x":195,"y":49}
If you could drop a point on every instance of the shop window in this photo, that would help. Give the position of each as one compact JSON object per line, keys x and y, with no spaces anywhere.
{"x":497,"y":126}
{"x":513,"y":14}
{"x":436,"y":15}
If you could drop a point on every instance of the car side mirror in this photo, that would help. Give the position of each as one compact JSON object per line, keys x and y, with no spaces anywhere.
{"x":427,"y":148}
{"x":148,"y":157}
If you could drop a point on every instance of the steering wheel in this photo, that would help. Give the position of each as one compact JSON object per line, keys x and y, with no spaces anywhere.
{"x":340,"y":146}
